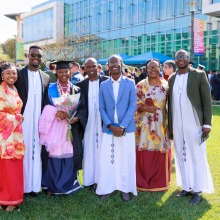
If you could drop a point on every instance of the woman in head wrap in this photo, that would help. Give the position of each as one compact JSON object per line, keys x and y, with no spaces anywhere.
{"x":11,"y":141}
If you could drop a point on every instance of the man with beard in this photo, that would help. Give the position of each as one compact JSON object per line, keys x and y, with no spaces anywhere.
{"x":93,"y":131}
{"x":190,"y":118}
{"x":31,"y":86}
{"x":117,"y":104}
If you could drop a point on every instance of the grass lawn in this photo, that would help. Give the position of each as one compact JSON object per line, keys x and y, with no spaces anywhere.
{"x":86,"y":205}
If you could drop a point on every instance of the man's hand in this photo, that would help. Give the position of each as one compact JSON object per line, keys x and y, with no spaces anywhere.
{"x":205,"y":132}
{"x":74,"y":120}
{"x":117,"y":131}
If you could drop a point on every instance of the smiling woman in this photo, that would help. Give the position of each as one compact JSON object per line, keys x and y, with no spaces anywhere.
{"x":153,"y":152}
{"x":65,"y":157}
{"x":11,"y":141}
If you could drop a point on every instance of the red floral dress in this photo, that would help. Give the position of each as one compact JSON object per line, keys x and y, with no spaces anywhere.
{"x":11,"y":137}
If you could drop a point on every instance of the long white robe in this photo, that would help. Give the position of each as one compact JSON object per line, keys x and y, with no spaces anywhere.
{"x":117,"y":160}
{"x":32,"y":157}
{"x":92,"y":136}
{"x":192,"y":169}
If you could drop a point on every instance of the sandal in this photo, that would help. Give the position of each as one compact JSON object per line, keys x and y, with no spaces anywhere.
{"x":49,"y":193}
{"x":3,"y":207}
{"x":12,"y":209}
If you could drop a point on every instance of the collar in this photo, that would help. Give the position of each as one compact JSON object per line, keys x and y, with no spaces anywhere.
{"x":118,"y":80}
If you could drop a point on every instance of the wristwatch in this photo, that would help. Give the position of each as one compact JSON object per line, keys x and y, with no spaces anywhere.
{"x":108,"y":126}
{"x":124,"y":130}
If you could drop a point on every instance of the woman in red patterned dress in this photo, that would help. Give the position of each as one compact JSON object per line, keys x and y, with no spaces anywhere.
{"x":153,"y":154}
{"x":11,"y":141}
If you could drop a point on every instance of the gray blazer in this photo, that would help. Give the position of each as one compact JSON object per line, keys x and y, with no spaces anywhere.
{"x":198,"y":93}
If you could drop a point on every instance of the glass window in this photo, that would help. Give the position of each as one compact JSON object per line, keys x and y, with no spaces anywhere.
{"x":38,"y":27}
{"x":155,"y":10}
{"x":163,"y":8}
{"x":215,"y":1}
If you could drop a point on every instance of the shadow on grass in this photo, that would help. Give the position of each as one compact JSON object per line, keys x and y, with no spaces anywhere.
{"x":87,"y":205}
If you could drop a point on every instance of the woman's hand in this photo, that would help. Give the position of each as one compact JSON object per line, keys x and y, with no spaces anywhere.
{"x":74,"y":120}
{"x":61,"y":115}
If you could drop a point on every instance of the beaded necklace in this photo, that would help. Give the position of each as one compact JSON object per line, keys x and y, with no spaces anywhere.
{"x":61,"y":89}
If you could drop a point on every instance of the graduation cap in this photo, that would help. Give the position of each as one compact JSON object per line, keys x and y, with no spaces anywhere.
{"x":62,"y":64}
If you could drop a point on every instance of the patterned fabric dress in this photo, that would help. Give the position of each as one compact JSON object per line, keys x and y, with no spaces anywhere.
{"x":11,"y":147}
{"x":152,"y":144}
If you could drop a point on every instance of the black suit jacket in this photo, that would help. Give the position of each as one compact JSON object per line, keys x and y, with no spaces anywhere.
{"x":22,"y":86}
{"x":84,"y":85}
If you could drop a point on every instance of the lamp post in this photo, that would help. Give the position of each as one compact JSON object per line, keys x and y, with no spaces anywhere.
{"x":192,"y":5}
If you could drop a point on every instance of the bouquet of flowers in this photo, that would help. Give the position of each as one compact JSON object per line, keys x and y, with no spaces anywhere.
{"x":69,"y":105}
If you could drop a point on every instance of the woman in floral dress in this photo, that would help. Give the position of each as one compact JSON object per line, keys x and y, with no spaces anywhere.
{"x":153,"y":154}
{"x":11,"y":141}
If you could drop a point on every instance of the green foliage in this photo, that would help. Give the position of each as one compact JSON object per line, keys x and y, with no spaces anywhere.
{"x":9,"y":48}
{"x":148,"y":205}
{"x":2,"y":55}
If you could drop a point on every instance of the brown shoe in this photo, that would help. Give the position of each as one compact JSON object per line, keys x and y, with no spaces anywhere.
{"x":125,"y":197}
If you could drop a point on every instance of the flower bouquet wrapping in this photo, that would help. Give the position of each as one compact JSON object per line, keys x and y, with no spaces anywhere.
{"x":68,"y":104}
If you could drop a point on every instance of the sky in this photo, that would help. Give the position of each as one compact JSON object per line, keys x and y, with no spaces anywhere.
{"x":8,"y":27}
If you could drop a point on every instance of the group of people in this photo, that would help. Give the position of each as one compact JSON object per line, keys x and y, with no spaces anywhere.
{"x":120,"y":133}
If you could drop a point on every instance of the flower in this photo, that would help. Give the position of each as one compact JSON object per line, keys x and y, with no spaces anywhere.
{"x":67,"y":104}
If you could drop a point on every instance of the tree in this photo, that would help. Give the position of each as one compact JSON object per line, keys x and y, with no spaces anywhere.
{"x":9,"y":48}
{"x":75,"y":48}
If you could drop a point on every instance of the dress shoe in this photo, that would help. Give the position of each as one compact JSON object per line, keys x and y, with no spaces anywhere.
{"x":32,"y":194}
{"x":184,"y":193}
{"x":125,"y":197}
{"x":105,"y":197}
{"x":93,"y":187}
{"x":196,"y":199}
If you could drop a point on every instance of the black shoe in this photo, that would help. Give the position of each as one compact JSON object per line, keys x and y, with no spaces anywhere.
{"x":105,"y":197}
{"x":196,"y":199}
{"x":93,"y":187}
{"x":125,"y":197}
{"x":184,"y":193}
{"x":32,"y":194}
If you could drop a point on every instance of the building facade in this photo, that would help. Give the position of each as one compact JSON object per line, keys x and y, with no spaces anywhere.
{"x":100,"y":28}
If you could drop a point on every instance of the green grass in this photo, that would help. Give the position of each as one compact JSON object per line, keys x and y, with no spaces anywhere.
{"x":86,"y":204}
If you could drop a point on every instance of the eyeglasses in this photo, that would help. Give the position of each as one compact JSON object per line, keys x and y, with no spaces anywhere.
{"x":114,"y":63}
{"x":152,"y":67}
{"x":181,"y":57}
{"x":36,"y":55}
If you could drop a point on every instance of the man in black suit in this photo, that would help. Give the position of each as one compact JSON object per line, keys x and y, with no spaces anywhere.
{"x":93,"y":131}
{"x":32,"y":88}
